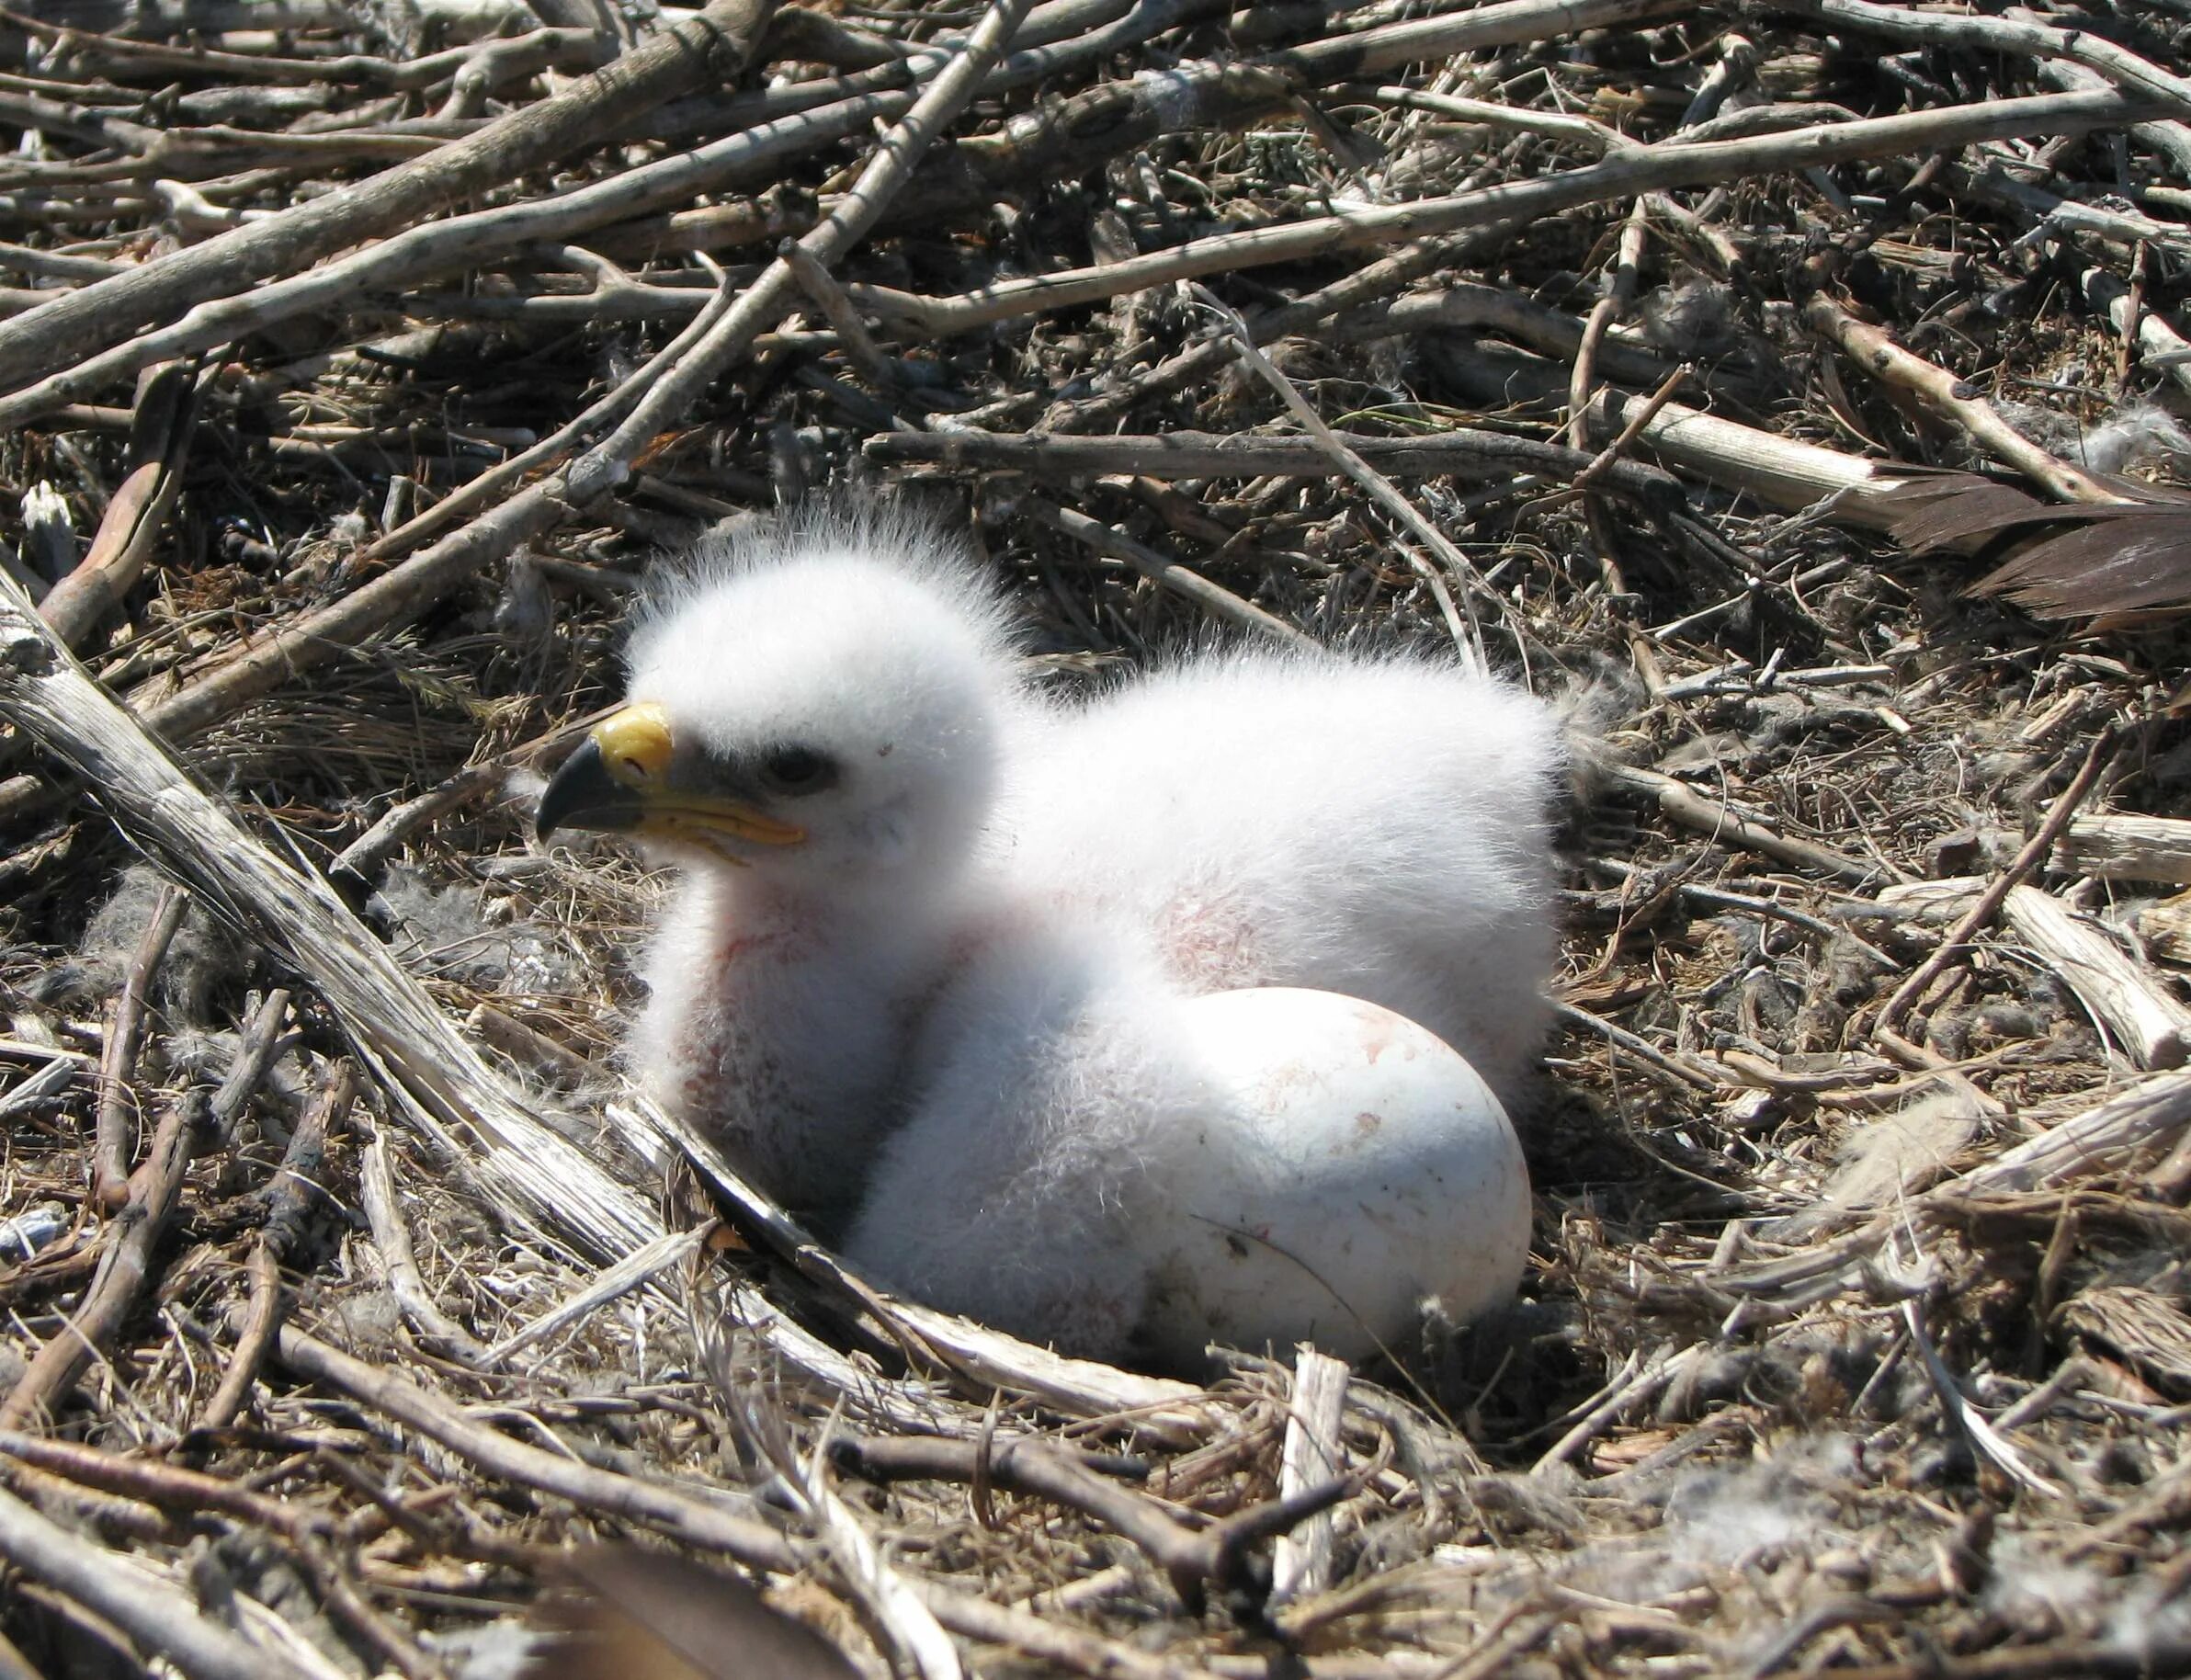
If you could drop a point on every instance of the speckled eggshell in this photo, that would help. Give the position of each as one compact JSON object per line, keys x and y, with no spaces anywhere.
{"x":1352,"y":1165}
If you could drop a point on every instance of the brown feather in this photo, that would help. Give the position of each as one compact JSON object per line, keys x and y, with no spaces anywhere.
{"x":1952,"y":510}
{"x":650,"y":1616}
{"x":2057,"y":560}
{"x":2116,"y":565}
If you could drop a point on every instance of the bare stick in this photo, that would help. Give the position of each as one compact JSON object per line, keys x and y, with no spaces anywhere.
{"x":1560,"y":125}
{"x":1692,"y":811}
{"x":428,"y":575}
{"x":828,"y":294}
{"x":255,"y":1055}
{"x":713,"y":48}
{"x":360,"y":862}
{"x":535,"y":1052}
{"x":1463,"y":451}
{"x":123,"y":1271}
{"x":605,"y":468}
{"x":1376,"y":280}
{"x":1581,"y":380}
{"x":161,"y":1620}
{"x":1980,"y":913}
{"x":2150,"y":1027}
{"x":1192,"y":1559}
{"x":1639,"y":422}
{"x":1213,"y":599}
{"x":1697,"y":1076}
{"x":812,"y":119}
{"x":1945,"y":396}
{"x":482,"y":491}
{"x":516,"y":56}
{"x":159,"y":439}
{"x":2172,"y":140}
{"x":1634,"y":1386}
{"x":1621,"y":296}
{"x":671,"y":1249}
{"x":1165,"y":1408}
{"x":1784,"y":472}
{"x":115,"y":1136}
{"x":288,"y":1199}
{"x":2151,"y":337}
{"x":1468,"y":634}
{"x":330,"y":632}
{"x":391,"y":1240}
{"x":2020,"y":35}
{"x":261,"y":1318}
{"x":156,"y":1481}
{"x":2058,"y":215}
{"x":1641,"y":169}
{"x":455,"y":243}
{"x":689,"y":1515}
{"x":1051,"y":1642}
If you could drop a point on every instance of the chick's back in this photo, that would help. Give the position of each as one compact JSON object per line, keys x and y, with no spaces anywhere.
{"x":1379,"y":827}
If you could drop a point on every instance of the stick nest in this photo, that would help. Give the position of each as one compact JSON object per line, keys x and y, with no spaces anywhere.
{"x":1858,"y":1337}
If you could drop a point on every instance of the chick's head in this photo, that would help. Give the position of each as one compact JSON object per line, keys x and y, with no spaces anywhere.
{"x":812,"y":707}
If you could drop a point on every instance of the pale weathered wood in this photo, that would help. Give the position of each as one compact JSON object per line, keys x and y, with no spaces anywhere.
{"x":1314,"y":1454}
{"x":2152,"y":1028}
{"x":2126,"y":846}
{"x":2145,"y":1119}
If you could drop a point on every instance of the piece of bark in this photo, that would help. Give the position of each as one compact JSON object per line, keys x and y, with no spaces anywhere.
{"x":130,"y":528}
{"x":2144,"y":1120}
{"x":2128,"y":847}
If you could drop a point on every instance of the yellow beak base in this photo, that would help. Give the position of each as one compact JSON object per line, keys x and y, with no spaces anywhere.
{"x":619,"y":781}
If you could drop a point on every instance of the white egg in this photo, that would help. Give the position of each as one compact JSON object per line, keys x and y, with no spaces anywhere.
{"x":1353,"y":1166}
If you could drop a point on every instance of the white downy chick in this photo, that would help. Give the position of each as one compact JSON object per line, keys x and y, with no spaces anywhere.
{"x":924,"y":962}
{"x":813,"y":733}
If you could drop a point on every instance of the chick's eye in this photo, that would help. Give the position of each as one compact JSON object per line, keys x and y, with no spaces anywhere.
{"x":797,"y":770}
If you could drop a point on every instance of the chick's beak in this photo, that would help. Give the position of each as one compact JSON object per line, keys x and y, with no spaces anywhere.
{"x":583,"y":795}
{"x":622,"y":780}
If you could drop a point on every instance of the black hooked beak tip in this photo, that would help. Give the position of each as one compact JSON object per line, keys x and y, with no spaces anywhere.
{"x":582,"y":794}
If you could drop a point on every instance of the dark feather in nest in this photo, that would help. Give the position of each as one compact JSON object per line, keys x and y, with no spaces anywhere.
{"x":2055,"y":560}
{"x":652,"y":1616}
